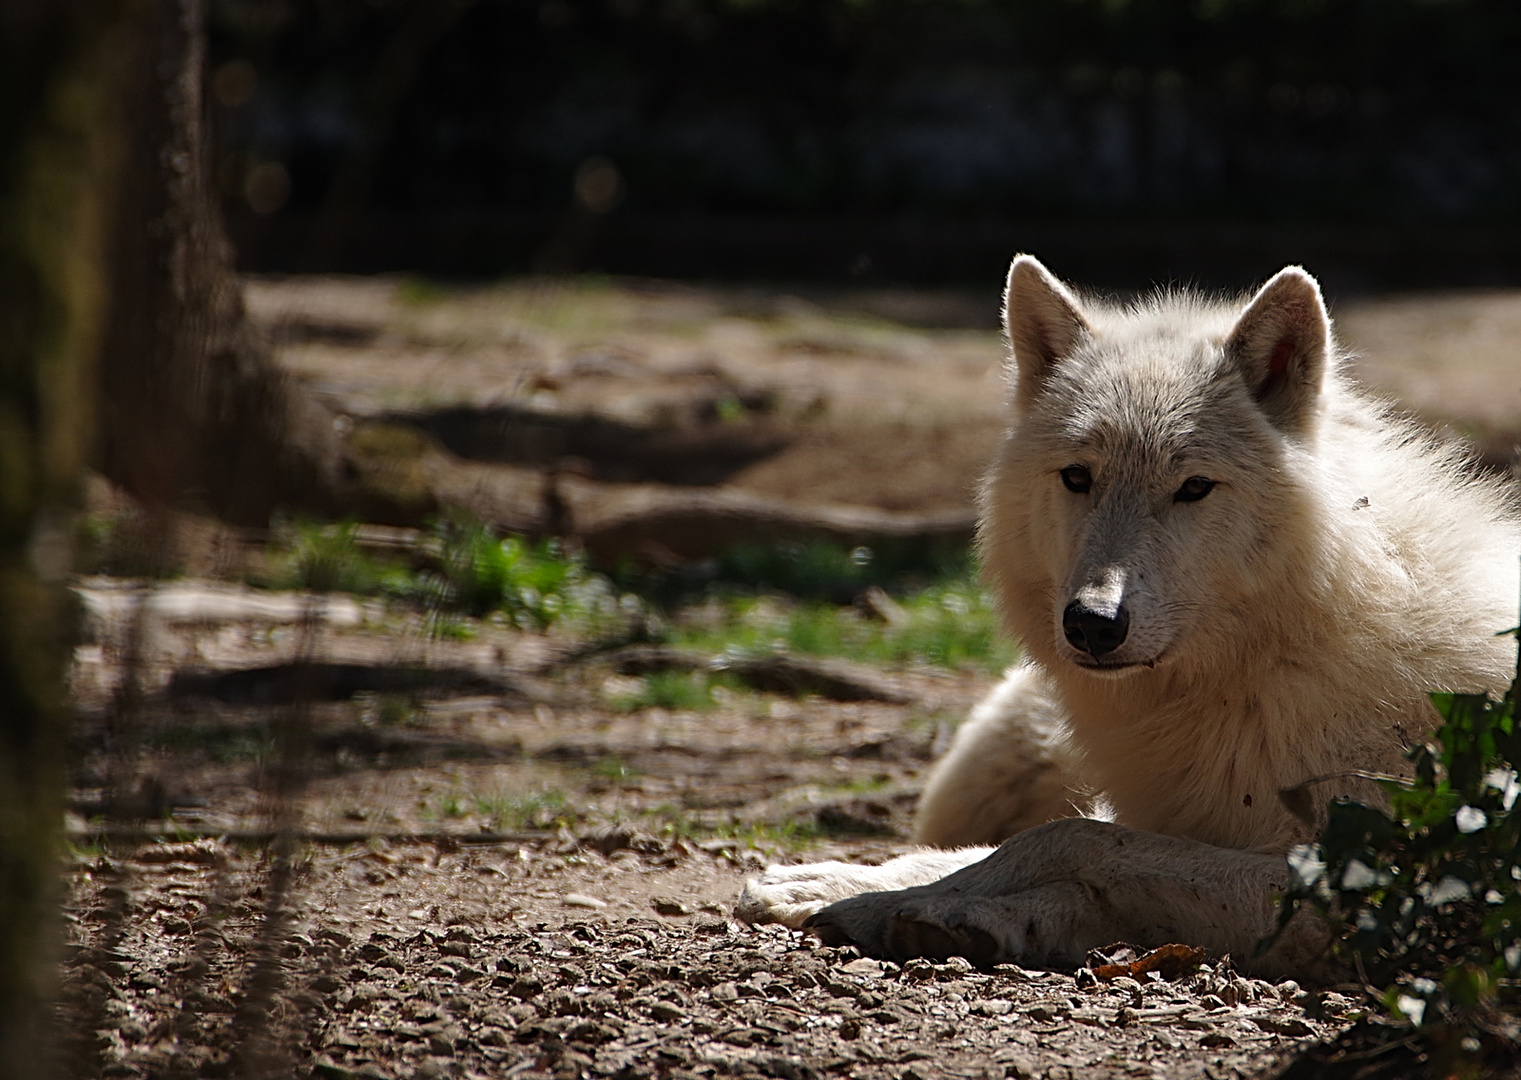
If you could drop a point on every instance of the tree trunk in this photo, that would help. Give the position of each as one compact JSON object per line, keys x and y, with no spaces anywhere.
{"x":194,"y":411}
{"x":60,"y":145}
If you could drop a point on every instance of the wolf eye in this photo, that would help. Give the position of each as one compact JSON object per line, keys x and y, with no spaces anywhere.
{"x":1194,"y":489}
{"x":1076,"y":479}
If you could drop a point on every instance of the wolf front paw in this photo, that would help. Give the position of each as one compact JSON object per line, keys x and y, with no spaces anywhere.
{"x":790,"y":894}
{"x":1043,"y":926}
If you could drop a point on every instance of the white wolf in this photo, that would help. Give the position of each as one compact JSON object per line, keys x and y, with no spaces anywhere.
{"x":1231,"y":573}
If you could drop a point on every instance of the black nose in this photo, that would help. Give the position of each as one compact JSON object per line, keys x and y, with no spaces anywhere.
{"x":1094,"y":632}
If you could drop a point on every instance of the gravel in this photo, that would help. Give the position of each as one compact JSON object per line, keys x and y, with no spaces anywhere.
{"x":567,"y":991}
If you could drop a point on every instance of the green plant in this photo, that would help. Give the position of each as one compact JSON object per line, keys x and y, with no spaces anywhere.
{"x":546,"y":809}
{"x":674,"y":822}
{"x":612,"y":769}
{"x":126,"y":543}
{"x":389,"y":710}
{"x":323,"y":558}
{"x":830,"y":571}
{"x":419,"y":292}
{"x":1423,"y":899}
{"x":534,"y":585}
{"x":950,"y":624}
{"x":686,"y":690}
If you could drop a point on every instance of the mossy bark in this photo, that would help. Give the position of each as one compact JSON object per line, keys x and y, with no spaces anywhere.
{"x":194,"y":410}
{"x":60,"y":147}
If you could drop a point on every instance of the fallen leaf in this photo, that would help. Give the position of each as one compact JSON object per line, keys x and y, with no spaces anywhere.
{"x":1169,"y":961}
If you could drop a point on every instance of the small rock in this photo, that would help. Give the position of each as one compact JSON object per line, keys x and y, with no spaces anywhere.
{"x":592,"y":1031}
{"x":1287,"y":990}
{"x":564,"y":1003}
{"x":1283,"y":1025}
{"x":955,"y":967}
{"x":1215,"y":1039}
{"x":1336,"y":1004}
{"x":1042,"y":1013}
{"x":919,"y":970}
{"x":993,"y":1007}
{"x":337,"y":937}
{"x":842,"y":989}
{"x":724,"y":991}
{"x":1238,"y":992}
{"x":850,"y":1028}
{"x":525,"y":987}
{"x":669,"y":906}
{"x":864,"y":966}
{"x":1125,"y":1016}
{"x":581,"y":900}
{"x":667,"y":1012}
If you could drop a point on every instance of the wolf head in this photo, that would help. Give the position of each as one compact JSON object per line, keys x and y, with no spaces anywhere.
{"x":1140,"y":504}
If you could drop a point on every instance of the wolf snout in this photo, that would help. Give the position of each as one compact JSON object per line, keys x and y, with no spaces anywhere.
{"x":1097,"y":633}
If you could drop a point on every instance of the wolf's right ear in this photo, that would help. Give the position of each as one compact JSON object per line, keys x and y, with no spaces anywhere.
{"x":1043,"y":322}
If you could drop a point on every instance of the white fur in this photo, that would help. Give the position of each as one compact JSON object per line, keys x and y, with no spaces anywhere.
{"x":793,"y":893}
{"x":1288,"y":625}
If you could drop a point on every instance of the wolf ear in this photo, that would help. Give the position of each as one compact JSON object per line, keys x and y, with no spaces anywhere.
{"x":1280,"y":344}
{"x":1043,"y":322}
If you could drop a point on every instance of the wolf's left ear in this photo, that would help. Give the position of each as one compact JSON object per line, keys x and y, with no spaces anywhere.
{"x":1281,"y":344}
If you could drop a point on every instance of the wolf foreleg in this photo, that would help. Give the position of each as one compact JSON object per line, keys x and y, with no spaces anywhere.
{"x":790,"y":894}
{"x":1051,"y":893}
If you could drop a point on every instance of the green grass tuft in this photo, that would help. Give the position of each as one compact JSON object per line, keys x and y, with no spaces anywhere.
{"x":532,"y":585}
{"x":548,"y":809}
{"x":694,"y":691}
{"x":950,"y":625}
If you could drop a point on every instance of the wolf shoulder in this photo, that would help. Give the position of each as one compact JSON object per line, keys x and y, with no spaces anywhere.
{"x":1427,"y":534}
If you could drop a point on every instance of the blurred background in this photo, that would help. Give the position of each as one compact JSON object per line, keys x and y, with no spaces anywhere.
{"x":533,"y":468}
{"x":1126,"y":141}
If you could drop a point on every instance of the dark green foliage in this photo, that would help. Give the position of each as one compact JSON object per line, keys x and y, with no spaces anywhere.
{"x":1424,"y":899}
{"x":806,"y":569}
{"x":460,"y":567}
{"x":833,"y":572}
{"x":533,"y":584}
{"x":327,"y":558}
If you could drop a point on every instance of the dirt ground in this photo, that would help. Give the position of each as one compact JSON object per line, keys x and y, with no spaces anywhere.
{"x":886,"y":399}
{"x":498,"y":872}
